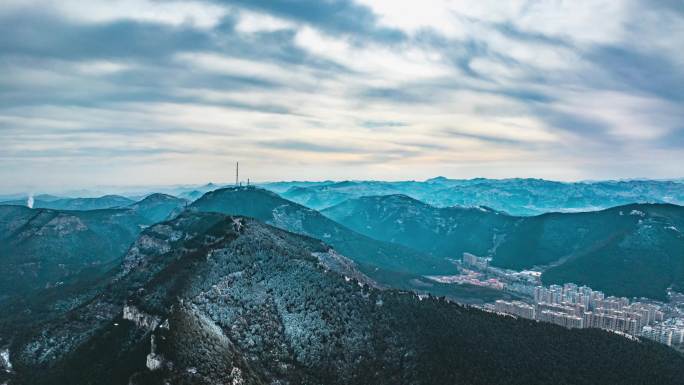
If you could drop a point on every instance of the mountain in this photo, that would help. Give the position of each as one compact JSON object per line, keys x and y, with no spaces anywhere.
{"x":23,"y":197}
{"x":213,"y":299}
{"x":191,"y":195}
{"x":390,"y":264}
{"x":329,"y":194}
{"x":192,"y":192}
{"x":281,"y":187}
{"x":446,"y":232}
{"x":634,"y":250}
{"x":45,"y":248}
{"x":41,"y":248}
{"x":514,"y":196}
{"x":274,"y":210}
{"x":103,"y":202}
{"x":158,"y":207}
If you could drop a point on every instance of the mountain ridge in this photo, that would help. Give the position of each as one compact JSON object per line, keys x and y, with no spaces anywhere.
{"x":387,"y":263}
{"x":272,"y":209}
{"x":235,"y":300}
{"x":46,"y":251}
{"x":517,"y":196}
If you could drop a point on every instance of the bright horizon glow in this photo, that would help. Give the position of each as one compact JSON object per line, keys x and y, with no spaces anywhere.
{"x":140,"y":92}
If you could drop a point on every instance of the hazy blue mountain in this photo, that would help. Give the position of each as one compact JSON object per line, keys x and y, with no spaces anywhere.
{"x":329,"y":194}
{"x":103,"y":202}
{"x":514,"y":196}
{"x":193,"y":192}
{"x":191,"y":195}
{"x":281,"y":187}
{"x":446,"y":232}
{"x":159,"y":207}
{"x":211,"y":299}
{"x":19,"y":197}
{"x":633,"y":250}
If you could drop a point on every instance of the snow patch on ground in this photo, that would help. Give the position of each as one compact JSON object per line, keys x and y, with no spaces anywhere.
{"x":140,"y":318}
{"x":5,"y":360}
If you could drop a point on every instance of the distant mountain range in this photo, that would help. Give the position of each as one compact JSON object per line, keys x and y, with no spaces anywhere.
{"x":47,"y":202}
{"x":212,"y":299}
{"x":514,"y":196}
{"x":633,"y":250}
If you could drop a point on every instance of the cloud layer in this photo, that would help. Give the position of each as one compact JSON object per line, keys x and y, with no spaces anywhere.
{"x":152,"y":91}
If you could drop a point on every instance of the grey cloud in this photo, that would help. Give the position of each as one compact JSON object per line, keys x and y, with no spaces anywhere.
{"x":382,"y":123}
{"x":334,"y":16}
{"x":46,"y":42}
{"x":410,"y":93}
{"x":591,"y":132}
{"x":650,"y":72}
{"x":672,"y":140}
{"x":300,"y":145}
{"x":414,"y":145}
{"x":90,"y":152}
{"x":45,"y":35}
{"x":455,"y":133}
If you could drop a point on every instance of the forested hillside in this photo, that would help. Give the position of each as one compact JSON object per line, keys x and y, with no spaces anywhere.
{"x":272,"y":209}
{"x":216,"y":299}
{"x":47,"y":256}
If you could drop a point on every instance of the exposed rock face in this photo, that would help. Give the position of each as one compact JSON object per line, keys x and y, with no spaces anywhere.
{"x":5,"y":363}
{"x":141,"y":319}
{"x":63,"y":225}
{"x":154,"y":360}
{"x":157,"y":242}
{"x":236,"y":375}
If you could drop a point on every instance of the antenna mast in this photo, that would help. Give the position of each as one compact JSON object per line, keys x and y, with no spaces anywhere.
{"x":237,"y":173}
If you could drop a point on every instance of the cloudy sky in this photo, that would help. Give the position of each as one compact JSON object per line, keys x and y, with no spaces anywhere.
{"x":157,"y":92}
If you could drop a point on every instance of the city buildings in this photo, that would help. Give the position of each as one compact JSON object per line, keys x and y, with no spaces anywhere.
{"x":581,"y":307}
{"x":517,"y":308}
{"x":475,"y":261}
{"x":573,"y":306}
